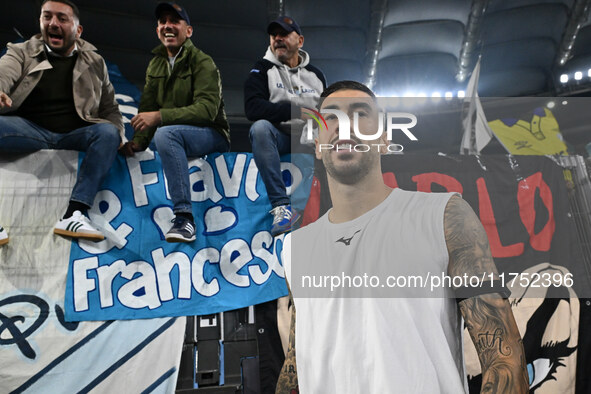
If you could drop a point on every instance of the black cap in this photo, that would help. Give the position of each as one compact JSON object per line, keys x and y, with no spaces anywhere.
{"x":175,"y":8}
{"x":287,"y":23}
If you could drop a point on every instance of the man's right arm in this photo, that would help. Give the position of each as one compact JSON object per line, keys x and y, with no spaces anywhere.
{"x":148,"y":103}
{"x":11,"y":65}
{"x":288,"y":378}
{"x":5,"y":100}
{"x":256,"y":98}
{"x":141,"y":139}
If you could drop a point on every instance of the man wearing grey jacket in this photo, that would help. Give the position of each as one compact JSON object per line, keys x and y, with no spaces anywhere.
{"x":55,"y":93}
{"x":284,"y":77}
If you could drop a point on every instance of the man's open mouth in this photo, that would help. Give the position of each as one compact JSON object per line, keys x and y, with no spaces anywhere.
{"x":54,"y":36}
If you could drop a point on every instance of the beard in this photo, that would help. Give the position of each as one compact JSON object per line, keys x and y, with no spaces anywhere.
{"x":284,"y":55}
{"x":68,"y":41}
{"x":350,"y":172}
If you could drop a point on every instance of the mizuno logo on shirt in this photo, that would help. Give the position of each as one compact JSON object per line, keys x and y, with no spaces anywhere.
{"x":347,"y":241}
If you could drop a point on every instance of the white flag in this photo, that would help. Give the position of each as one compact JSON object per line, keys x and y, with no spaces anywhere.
{"x":477,"y":133}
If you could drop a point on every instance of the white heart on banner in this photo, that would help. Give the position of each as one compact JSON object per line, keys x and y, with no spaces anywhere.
{"x":162,"y":217}
{"x":219,"y":219}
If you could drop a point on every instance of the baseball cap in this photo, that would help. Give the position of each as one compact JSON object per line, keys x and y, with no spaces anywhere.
{"x":175,"y":8}
{"x":287,"y":23}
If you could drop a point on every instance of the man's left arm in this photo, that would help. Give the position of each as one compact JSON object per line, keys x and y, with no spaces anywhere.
{"x":207,"y":96}
{"x":488,"y":317}
{"x":108,"y":107}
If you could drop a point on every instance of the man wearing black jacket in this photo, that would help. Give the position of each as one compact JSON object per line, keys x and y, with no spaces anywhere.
{"x":283,"y":77}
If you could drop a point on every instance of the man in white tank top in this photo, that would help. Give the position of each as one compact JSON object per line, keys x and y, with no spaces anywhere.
{"x":364,"y":338}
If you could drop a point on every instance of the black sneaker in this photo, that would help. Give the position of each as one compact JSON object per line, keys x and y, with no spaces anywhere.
{"x":183,"y":230}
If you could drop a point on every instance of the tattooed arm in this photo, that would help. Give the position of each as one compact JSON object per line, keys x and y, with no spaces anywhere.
{"x":488,"y":317}
{"x":288,"y":378}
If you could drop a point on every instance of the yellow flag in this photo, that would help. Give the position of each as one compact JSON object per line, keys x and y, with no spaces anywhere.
{"x":539,"y":135}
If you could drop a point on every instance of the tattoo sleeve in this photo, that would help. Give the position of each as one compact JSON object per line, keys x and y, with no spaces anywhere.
{"x":488,"y":317}
{"x":288,"y":378}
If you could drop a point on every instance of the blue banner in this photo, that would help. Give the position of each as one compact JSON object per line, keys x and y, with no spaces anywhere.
{"x":134,"y":273}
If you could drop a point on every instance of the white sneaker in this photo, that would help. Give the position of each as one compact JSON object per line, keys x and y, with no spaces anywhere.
{"x":3,"y":236}
{"x":78,"y":226}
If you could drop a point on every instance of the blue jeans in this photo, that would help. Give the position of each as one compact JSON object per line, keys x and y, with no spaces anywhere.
{"x":174,"y":144}
{"x":100,"y":142}
{"x":268,"y":143}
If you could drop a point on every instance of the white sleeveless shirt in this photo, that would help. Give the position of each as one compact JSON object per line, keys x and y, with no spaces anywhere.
{"x":370,"y":344}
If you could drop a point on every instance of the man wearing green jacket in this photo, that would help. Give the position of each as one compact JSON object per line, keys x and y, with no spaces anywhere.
{"x":182,"y":110}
